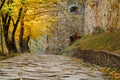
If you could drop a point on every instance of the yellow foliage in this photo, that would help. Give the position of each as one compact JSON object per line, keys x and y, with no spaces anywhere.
{"x":91,"y":4}
{"x":114,"y":75}
{"x":38,"y":26}
{"x":34,"y":25}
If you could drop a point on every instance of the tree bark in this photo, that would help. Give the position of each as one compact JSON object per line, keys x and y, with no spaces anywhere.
{"x":21,"y":37}
{"x":6,"y":24}
{"x":14,"y":30}
{"x":25,"y":44}
{"x":6,"y":19}
{"x":1,"y":35}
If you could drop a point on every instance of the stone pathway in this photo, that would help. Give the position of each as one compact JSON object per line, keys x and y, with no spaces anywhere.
{"x":46,"y":67}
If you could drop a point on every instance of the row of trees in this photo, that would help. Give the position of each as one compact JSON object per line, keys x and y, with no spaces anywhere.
{"x":21,"y":20}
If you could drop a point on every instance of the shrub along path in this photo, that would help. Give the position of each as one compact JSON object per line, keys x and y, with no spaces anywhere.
{"x":47,"y":67}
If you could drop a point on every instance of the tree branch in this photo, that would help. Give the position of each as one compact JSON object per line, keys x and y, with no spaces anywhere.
{"x":13,"y":20}
{"x":2,"y":4}
{"x":16,"y":24}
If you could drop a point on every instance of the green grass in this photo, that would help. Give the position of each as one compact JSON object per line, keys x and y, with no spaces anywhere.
{"x":102,"y":41}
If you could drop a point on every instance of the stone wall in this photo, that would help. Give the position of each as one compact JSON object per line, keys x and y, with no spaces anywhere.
{"x":101,"y":58}
{"x":67,"y":25}
{"x":102,"y":13}
{"x":92,"y":14}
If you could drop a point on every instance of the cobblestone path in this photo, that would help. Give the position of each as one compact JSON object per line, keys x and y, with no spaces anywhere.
{"x":46,"y":67}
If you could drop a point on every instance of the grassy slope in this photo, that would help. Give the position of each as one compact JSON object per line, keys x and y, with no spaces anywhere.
{"x":103,"y":41}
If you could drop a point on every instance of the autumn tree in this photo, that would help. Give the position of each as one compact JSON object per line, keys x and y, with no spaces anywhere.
{"x":7,"y":19}
{"x":2,"y":2}
{"x":21,"y":17}
{"x":35,"y":21}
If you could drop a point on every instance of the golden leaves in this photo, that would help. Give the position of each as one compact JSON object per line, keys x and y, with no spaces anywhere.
{"x":38,"y":26}
{"x":91,"y":4}
{"x":34,"y":25}
{"x":114,"y":75}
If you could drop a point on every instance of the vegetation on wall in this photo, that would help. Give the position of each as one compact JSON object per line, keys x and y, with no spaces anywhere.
{"x":103,"y":41}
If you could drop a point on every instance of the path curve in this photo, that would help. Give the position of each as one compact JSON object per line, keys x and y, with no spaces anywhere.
{"x":46,"y":67}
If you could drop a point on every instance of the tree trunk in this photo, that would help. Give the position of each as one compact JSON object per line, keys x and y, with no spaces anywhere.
{"x":25,"y":43}
{"x":16,"y":24}
{"x":22,"y":42}
{"x":6,"y":19}
{"x":21,"y":38}
{"x":1,"y":35}
{"x":9,"y":44}
{"x":14,"y":49}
